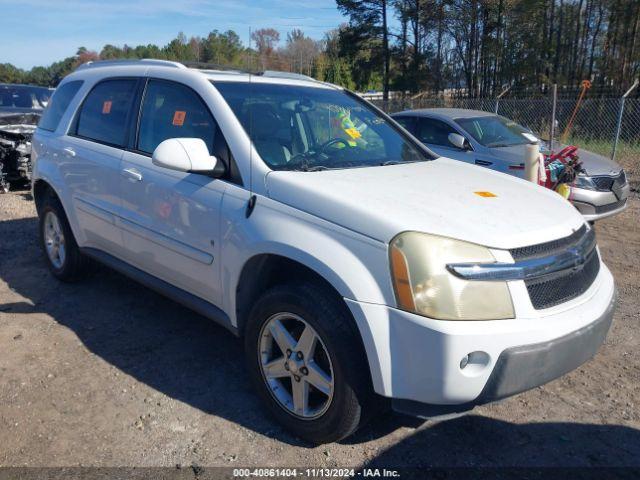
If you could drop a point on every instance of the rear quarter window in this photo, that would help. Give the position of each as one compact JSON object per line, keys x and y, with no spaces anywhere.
{"x":58,"y":105}
{"x":105,"y":112}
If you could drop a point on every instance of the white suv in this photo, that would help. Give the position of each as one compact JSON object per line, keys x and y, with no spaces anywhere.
{"x":356,"y":265}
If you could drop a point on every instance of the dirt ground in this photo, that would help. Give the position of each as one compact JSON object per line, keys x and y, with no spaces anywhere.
{"x":108,"y":373}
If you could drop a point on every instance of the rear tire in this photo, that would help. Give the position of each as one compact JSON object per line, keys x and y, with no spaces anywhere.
{"x":341,"y":393}
{"x":63,"y":256}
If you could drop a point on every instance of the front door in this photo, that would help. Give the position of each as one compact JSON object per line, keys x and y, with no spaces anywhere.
{"x":435,"y":135}
{"x":171,"y":220}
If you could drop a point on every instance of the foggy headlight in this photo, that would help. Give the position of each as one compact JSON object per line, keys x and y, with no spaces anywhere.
{"x":585,"y":183}
{"x":425,"y":286}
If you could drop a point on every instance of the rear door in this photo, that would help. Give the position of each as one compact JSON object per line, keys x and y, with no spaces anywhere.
{"x":91,"y":155}
{"x":170,"y":219}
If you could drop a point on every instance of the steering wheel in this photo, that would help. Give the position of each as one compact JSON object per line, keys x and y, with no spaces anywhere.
{"x":332,"y":142}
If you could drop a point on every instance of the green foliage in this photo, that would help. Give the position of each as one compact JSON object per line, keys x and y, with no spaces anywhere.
{"x":223,"y":48}
{"x":473,"y":47}
{"x":11,"y":74}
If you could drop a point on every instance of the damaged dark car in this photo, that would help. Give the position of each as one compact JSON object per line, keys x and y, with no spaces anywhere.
{"x":21,"y":107}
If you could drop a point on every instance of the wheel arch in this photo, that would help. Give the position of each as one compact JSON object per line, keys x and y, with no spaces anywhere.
{"x":265,"y":270}
{"x":275,"y":269}
{"x":41,"y":188}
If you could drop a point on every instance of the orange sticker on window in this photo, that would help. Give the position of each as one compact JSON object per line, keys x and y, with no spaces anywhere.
{"x":485,"y":194}
{"x":178,"y":118}
{"x":106,"y":107}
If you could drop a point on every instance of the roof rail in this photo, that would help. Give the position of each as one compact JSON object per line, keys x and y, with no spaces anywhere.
{"x":126,"y":61}
{"x":204,"y":67}
{"x":290,"y":75}
{"x":217,"y":67}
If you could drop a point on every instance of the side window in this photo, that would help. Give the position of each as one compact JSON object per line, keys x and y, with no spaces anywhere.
{"x":172,"y":110}
{"x":434,"y":132}
{"x":105,"y":112}
{"x":58,"y":105}
{"x":406,"y":122}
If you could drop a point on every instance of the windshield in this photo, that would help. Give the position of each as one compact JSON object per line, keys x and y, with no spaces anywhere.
{"x":310,"y":128}
{"x":494,"y":131}
{"x":24,"y":96}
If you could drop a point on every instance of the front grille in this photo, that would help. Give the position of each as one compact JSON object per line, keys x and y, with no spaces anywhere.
{"x":548,"y":248}
{"x":565,"y":286}
{"x":607,"y":183}
{"x":610,"y":207}
{"x":559,"y":287}
{"x":603,"y":183}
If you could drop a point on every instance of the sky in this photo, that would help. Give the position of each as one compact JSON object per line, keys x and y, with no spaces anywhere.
{"x":40,"y":32}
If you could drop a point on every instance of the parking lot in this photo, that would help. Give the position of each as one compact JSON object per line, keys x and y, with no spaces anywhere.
{"x":108,"y":373}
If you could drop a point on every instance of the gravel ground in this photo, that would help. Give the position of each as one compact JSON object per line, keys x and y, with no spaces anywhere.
{"x":108,"y":373}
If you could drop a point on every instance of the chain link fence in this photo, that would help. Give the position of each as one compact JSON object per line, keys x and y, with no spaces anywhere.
{"x":608,"y":126}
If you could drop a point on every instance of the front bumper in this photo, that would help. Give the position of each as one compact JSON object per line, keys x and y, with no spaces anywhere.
{"x":416,"y":360}
{"x":596,"y":205}
{"x":519,"y":369}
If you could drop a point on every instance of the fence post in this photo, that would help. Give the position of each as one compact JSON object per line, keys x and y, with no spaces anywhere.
{"x":499,"y":97}
{"x":553,"y":116}
{"x":619,"y":125}
{"x":618,"y":128}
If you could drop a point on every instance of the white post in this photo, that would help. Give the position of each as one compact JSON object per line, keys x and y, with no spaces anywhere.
{"x":531,"y":162}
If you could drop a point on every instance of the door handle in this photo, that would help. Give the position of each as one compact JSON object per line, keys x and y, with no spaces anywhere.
{"x":484,"y":163}
{"x":69,"y":151}
{"x":132,"y":174}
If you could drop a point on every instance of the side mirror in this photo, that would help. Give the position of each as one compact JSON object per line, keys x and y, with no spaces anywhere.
{"x":189,"y":155}
{"x":458,"y":141}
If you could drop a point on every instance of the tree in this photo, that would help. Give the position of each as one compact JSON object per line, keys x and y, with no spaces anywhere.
{"x":223,"y":48}
{"x":472,"y":47}
{"x":368,"y":28}
{"x":300,"y":52}
{"x":266,"y":40}
{"x":11,"y":74}
{"x":178,"y":49}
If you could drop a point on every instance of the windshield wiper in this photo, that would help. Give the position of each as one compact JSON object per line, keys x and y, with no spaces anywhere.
{"x":499,"y":145}
{"x":316,"y":168}
{"x":398,"y":162}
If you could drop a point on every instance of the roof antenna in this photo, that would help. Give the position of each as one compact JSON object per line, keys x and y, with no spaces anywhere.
{"x":252,"y":198}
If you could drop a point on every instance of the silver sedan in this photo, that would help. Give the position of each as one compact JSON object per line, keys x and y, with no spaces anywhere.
{"x":495,"y":142}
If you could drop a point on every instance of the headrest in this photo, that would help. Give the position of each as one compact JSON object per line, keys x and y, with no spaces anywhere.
{"x":263,"y":119}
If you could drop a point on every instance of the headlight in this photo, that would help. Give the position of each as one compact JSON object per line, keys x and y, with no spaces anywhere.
{"x":425,"y":286}
{"x":585,"y":182}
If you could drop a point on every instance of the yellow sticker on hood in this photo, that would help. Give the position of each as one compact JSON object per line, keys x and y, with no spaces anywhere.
{"x":485,"y":194}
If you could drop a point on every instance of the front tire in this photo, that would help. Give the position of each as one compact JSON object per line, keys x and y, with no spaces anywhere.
{"x":306,"y":360}
{"x":63,"y":256}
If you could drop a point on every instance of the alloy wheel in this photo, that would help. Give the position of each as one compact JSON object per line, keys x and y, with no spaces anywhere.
{"x":54,"y":240}
{"x":296,"y":366}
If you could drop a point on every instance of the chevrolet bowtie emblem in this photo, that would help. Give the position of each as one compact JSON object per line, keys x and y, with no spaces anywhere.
{"x":578,"y":258}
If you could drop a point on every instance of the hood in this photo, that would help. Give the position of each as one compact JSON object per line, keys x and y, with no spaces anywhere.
{"x":12,"y":118}
{"x":436,"y":197}
{"x":593,"y":163}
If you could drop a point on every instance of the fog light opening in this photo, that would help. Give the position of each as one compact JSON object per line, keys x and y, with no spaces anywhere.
{"x":474,"y":363}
